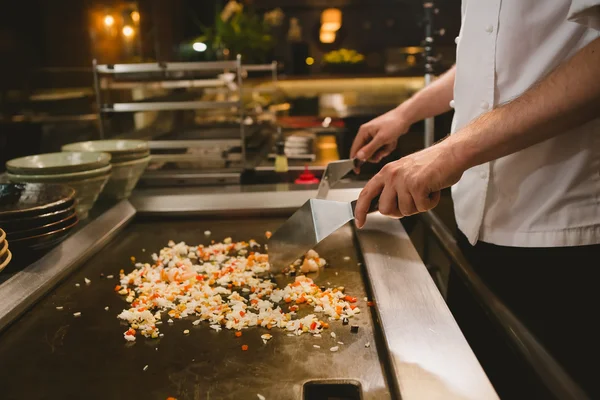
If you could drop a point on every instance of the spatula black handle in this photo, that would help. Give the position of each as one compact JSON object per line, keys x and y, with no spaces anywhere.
{"x":357,"y":163}
{"x":374,"y":206}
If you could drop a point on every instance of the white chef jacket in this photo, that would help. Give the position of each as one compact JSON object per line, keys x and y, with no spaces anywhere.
{"x":548,"y":194}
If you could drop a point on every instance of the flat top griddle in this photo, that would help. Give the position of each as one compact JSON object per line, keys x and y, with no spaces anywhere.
{"x":49,"y":354}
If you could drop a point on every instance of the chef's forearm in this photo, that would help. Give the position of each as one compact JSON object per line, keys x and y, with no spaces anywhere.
{"x":430,"y":101}
{"x":568,"y":97}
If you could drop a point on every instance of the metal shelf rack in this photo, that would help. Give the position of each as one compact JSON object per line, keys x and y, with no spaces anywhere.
{"x":181,"y":75}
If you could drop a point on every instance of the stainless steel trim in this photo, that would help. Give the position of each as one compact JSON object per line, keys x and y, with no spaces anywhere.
{"x":241,"y":109}
{"x":186,"y":178}
{"x":98,"y":99}
{"x":188,"y":202}
{"x":175,"y":84}
{"x":184,"y":144}
{"x":154,"y":67}
{"x":429,"y":355}
{"x":168,"y":105}
{"x":261,"y":67}
{"x":27,"y":286}
{"x":175,"y":158}
{"x":429,"y":122}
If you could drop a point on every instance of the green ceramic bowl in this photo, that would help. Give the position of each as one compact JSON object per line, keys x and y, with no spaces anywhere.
{"x":117,"y":158}
{"x":60,"y":178}
{"x":58,"y":163}
{"x":124,"y":177}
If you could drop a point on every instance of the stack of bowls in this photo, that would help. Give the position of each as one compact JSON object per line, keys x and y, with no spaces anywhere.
{"x":5,"y":254}
{"x":85,"y":172}
{"x":35,"y":216}
{"x":129,"y":159}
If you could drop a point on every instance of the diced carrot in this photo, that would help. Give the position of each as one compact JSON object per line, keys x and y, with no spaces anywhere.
{"x":244,"y":347}
{"x":288,"y":299}
{"x":352,"y":307}
{"x":268,"y":234}
{"x":325,"y":325}
{"x":269,"y":326}
{"x":350,"y":299}
{"x":370,"y":303}
{"x":117,"y":288}
{"x":313,"y":326}
{"x":242,"y":313}
{"x":238,"y":334}
{"x":229,"y":286}
{"x":301,"y":300}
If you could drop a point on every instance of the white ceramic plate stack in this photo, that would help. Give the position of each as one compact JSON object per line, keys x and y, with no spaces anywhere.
{"x":129,"y":161}
{"x":86,"y":172}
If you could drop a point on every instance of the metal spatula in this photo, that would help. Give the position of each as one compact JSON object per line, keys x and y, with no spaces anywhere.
{"x":313,"y":222}
{"x":335,"y":171}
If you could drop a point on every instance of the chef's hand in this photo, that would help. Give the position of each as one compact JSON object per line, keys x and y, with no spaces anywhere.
{"x":378,"y":138}
{"x":410,"y":185}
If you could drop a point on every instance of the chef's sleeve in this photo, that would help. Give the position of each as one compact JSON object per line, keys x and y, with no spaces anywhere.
{"x":585,"y":12}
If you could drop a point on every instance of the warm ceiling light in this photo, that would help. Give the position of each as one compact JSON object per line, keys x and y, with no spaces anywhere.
{"x":326,"y":36}
{"x":109,"y":20}
{"x":128,"y":31}
{"x":135,"y":16}
{"x":331,"y":19}
{"x":310,"y":61}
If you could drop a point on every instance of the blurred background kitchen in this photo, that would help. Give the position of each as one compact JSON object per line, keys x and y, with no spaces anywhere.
{"x":309,"y":73}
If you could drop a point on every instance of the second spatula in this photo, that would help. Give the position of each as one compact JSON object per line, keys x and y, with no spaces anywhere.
{"x":308,"y":226}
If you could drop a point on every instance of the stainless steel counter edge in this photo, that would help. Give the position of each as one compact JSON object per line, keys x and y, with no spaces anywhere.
{"x":430,"y":357}
{"x":187,"y":202}
{"x":27,"y":286}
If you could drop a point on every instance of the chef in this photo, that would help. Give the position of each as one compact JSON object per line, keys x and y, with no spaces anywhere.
{"x":523,"y":162}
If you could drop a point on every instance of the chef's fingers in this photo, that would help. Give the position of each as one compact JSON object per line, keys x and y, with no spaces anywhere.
{"x":364,"y":136}
{"x":388,"y":202}
{"x":406,"y":203}
{"x":369,"y":149}
{"x":427,"y":201}
{"x":384,"y":151}
{"x":369,"y":192}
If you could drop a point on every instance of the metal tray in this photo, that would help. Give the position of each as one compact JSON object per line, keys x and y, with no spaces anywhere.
{"x":88,"y":356}
{"x":416,"y":350}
